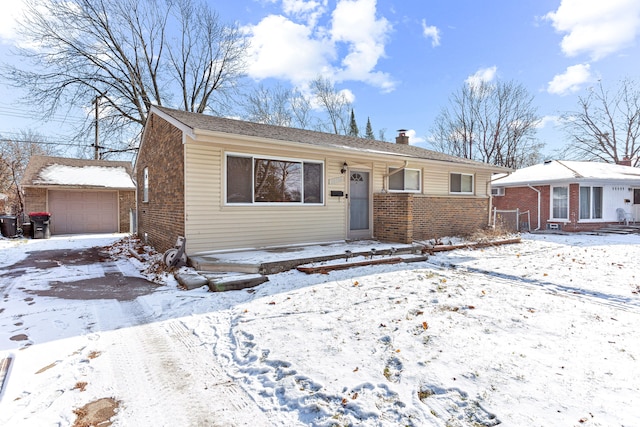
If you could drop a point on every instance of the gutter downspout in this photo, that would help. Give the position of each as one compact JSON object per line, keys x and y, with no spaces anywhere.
{"x":488,"y":190}
{"x":539,"y":203}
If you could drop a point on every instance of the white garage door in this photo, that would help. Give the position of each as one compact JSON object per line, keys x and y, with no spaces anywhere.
{"x":74,"y":212}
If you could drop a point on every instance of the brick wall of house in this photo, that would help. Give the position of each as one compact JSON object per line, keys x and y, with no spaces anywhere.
{"x":161,"y":219}
{"x":127,"y":202}
{"x":404,"y":218}
{"x":448,"y":216}
{"x":393,"y":217}
{"x":526,"y":199}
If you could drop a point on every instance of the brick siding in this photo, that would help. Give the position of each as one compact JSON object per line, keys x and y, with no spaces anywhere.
{"x":161,"y":219}
{"x":404,"y":218}
{"x":524,"y":198}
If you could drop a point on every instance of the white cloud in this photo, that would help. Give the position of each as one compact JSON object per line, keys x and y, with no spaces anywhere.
{"x":431,"y":32}
{"x":283,"y":49}
{"x":297,"y":48}
{"x":482,"y":75}
{"x":309,"y":11}
{"x":571,"y":80}
{"x":354,"y":23}
{"x":413,"y":139}
{"x":548,"y":120}
{"x":11,"y":12}
{"x":595,"y":27}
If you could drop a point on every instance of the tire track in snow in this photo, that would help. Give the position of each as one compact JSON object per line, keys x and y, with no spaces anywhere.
{"x":165,"y":373}
{"x":631,"y":305}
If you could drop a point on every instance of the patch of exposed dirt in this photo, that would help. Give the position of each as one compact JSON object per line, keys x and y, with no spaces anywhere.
{"x":97,"y":413}
{"x":19,"y":337}
{"x":111,"y":286}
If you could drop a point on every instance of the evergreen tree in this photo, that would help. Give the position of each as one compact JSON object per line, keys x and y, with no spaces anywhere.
{"x":353,"y":127}
{"x":369,"y":131}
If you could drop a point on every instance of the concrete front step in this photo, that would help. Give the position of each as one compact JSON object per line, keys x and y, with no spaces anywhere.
{"x":219,"y":282}
{"x":287,"y":260}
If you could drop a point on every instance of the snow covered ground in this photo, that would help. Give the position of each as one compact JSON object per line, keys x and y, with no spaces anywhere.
{"x":542,"y":333}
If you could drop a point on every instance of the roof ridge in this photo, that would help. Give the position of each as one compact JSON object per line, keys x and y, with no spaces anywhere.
{"x":575,"y":172}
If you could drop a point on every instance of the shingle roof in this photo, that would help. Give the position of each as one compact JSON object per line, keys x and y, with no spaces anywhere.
{"x":202,"y":122}
{"x":567,"y":170}
{"x":63,"y":171}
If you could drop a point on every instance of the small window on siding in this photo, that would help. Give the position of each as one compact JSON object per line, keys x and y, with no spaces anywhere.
{"x":461,"y":183}
{"x":145,"y":185}
{"x":404,"y":180}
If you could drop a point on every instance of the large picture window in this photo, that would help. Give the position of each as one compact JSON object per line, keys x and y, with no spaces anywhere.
{"x":590,"y":202}
{"x":461,"y":183}
{"x":404,"y":180}
{"x":259,"y":180}
{"x":560,"y":203}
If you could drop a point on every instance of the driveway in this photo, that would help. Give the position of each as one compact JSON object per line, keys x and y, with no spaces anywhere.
{"x":82,"y":331}
{"x":83,"y":281}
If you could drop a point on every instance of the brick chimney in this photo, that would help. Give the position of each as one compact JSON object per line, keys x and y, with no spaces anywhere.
{"x":402,"y":137}
{"x":626,"y":161}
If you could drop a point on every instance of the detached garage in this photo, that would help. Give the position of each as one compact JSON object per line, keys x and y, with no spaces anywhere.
{"x":83,"y":196}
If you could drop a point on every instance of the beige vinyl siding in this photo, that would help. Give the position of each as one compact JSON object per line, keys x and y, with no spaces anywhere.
{"x":436,"y":180}
{"x":211,"y":225}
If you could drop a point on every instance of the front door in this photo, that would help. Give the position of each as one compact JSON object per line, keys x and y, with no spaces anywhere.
{"x":635,"y":206}
{"x":359,"y":205}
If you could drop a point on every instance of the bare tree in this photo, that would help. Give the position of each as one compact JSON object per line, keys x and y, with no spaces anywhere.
{"x":125,"y":52}
{"x":14,"y":156}
{"x":606,"y":127}
{"x":334,"y":103}
{"x":270,"y":106}
{"x":493,"y":123}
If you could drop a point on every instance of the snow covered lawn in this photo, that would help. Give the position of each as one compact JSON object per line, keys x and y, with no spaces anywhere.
{"x":542,"y":333}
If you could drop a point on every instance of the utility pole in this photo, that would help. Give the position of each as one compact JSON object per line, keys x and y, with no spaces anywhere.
{"x":96,"y":141}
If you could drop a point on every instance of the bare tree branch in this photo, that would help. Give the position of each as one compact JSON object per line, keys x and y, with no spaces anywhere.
{"x":606,"y":126}
{"x":134,"y":53}
{"x":493,"y":123}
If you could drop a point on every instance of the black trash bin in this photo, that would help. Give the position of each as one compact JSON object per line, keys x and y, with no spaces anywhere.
{"x":9,"y":225}
{"x":40,"y":224}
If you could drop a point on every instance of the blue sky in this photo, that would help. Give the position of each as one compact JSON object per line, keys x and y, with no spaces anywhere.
{"x":400,"y":60}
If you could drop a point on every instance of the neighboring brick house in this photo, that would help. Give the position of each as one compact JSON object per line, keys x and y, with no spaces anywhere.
{"x":229,"y":184}
{"x":83,"y":196}
{"x":570,"y":195}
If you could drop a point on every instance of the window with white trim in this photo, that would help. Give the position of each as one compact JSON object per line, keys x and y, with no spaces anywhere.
{"x":404,"y":180}
{"x":497,"y":191}
{"x":560,"y":203}
{"x":262,"y":180}
{"x":145,"y":185}
{"x":591,"y":202}
{"x":461,"y":183}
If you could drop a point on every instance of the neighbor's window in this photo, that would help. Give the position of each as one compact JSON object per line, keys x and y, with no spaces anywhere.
{"x":404,"y":180}
{"x":560,"y":203}
{"x":591,"y":202}
{"x":461,"y":183}
{"x":268,"y":180}
{"x":145,"y":185}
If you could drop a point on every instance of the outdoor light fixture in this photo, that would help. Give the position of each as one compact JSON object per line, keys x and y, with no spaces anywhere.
{"x":344,"y":168}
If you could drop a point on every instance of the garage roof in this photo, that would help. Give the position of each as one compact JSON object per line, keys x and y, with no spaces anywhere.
{"x":62,"y":171}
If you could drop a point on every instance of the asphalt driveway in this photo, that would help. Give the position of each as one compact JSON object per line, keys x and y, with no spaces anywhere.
{"x":82,"y":266}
